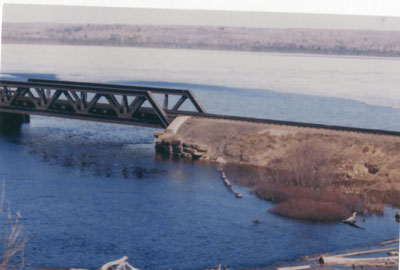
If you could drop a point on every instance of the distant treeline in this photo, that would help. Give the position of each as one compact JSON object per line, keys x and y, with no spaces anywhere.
{"x":350,"y":42}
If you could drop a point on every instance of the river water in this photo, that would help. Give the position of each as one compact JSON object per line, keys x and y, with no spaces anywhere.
{"x":92,"y":192}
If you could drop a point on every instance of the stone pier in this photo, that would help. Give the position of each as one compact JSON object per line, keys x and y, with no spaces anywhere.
{"x":12,"y":121}
{"x":169,"y":144}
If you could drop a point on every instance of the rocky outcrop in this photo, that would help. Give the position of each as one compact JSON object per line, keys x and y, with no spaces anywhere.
{"x":170,"y":144}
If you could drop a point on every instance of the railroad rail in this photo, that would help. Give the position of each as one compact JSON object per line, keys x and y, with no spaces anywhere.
{"x":123,"y":104}
{"x":290,"y":123}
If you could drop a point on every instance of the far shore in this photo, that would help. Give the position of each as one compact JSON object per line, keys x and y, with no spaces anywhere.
{"x":308,"y":41}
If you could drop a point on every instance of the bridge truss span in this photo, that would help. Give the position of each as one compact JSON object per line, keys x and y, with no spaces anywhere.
{"x":96,"y":102}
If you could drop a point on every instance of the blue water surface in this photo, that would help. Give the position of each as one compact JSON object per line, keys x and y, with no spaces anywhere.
{"x":91,"y":192}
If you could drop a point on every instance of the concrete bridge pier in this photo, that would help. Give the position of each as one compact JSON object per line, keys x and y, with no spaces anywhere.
{"x":11,"y":122}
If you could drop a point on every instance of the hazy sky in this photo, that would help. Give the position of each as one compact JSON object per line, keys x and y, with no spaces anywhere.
{"x":81,"y":14}
{"x":350,"y":7}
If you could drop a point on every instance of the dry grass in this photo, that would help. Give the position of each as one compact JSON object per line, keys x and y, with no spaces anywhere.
{"x":327,"y":204}
{"x":300,"y":184}
{"x":309,"y":204}
{"x":309,"y":209}
{"x":308,"y":165}
{"x":391,"y":197}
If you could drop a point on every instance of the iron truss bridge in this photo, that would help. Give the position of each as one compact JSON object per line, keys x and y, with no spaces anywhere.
{"x":123,"y":104}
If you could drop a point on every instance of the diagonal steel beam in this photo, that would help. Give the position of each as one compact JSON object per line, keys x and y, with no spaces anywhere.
{"x":72,"y":102}
{"x":135,"y":105}
{"x":195,"y":102}
{"x":4,"y":94}
{"x":18,"y":92}
{"x":179,"y":103}
{"x":56,"y":95}
{"x":93,"y":102}
{"x":125,"y":105}
{"x":42,"y":96}
{"x":113,"y":103}
{"x":158,"y":110}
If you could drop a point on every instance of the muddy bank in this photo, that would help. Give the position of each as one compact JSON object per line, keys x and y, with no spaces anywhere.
{"x":363,"y":164}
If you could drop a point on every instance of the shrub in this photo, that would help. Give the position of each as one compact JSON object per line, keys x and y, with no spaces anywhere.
{"x":309,"y":204}
{"x":300,"y":184}
{"x":309,"y":209}
{"x":309,"y":165}
{"x":391,"y":197}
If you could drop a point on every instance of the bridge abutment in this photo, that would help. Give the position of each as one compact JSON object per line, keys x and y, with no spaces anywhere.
{"x":169,"y":144}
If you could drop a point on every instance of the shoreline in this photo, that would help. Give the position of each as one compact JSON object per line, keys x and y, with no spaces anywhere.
{"x":293,"y":52}
{"x":312,"y":261}
{"x":362,"y":165}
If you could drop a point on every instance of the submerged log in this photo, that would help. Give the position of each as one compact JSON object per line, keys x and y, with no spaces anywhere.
{"x":238,"y":195}
{"x":377,"y":261}
{"x":352,"y":221}
{"x":120,"y":264}
{"x":298,"y":267}
{"x":353,"y":224}
{"x":390,"y":242}
{"x":358,"y":253}
{"x":228,"y":184}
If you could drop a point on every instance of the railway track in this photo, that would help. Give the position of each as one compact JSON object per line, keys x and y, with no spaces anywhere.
{"x":123,"y":104}
{"x":289,"y":123}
